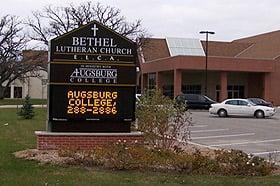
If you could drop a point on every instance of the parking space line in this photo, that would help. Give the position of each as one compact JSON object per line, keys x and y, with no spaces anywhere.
{"x":198,"y":126}
{"x":266,"y":152}
{"x":223,"y":136}
{"x":243,"y":143}
{"x":212,"y":130}
{"x":197,"y":144}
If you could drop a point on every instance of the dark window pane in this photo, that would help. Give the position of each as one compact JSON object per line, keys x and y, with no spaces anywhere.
{"x":191,"y":89}
{"x":236,"y":91}
{"x":232,"y":102}
{"x":17,"y":92}
{"x":242,"y":102}
{"x":201,"y":98}
{"x":229,"y":95}
{"x":168,"y":90}
{"x":152,"y":81}
{"x":7,"y":93}
{"x":229,"y":103}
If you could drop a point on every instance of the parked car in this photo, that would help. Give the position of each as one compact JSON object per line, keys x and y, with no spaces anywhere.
{"x":259,"y":101}
{"x":194,"y":101}
{"x":241,"y":107}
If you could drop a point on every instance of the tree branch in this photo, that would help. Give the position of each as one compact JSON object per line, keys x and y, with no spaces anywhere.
{"x":59,"y":20}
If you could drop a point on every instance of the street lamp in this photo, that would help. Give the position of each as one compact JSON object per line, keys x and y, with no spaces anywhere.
{"x":206,"y":56}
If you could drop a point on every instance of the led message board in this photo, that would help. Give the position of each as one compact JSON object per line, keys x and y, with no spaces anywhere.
{"x":92,"y":81}
{"x":80,"y":103}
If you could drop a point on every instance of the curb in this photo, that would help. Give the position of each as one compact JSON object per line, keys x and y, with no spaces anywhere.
{"x":19,"y":106}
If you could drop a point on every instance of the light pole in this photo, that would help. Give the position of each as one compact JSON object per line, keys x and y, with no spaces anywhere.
{"x":206,"y":57}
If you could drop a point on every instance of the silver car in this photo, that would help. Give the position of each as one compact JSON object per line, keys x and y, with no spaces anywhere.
{"x":241,"y":107}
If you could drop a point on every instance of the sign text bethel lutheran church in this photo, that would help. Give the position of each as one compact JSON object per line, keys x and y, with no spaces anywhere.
{"x":91,"y":45}
{"x":94,"y":47}
{"x":92,"y":81}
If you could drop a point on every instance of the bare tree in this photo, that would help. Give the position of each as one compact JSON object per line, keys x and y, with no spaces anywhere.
{"x":12,"y":63}
{"x":54,"y":21}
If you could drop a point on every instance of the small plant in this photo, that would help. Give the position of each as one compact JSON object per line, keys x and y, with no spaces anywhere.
{"x":27,"y":110}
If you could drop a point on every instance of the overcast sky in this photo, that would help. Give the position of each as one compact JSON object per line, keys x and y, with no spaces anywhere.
{"x":230,"y":19}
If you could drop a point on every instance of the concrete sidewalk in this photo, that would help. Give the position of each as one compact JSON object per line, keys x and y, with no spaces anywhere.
{"x":19,"y":106}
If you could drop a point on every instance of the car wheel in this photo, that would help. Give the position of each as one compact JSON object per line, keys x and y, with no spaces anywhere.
{"x":259,"y":114}
{"x":222,"y":113}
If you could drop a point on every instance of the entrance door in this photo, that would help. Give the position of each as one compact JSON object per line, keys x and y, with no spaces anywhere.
{"x":236,"y":91}
{"x":218,"y":90}
{"x":17,"y":92}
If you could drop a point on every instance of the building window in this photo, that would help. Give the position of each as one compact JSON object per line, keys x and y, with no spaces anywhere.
{"x":7,"y":93}
{"x":236,"y":91}
{"x":17,"y":92}
{"x":191,"y":89}
{"x":167,"y":90}
{"x":152,"y":81}
{"x":218,"y":91}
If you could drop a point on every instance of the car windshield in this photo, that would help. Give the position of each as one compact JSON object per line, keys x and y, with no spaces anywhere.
{"x":209,"y":99}
{"x":252,"y":103}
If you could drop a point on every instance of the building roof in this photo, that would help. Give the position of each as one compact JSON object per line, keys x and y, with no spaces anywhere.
{"x":263,"y":46}
{"x":225,"y":49}
{"x":259,"y":37}
{"x":158,"y":48}
{"x":155,"y":49}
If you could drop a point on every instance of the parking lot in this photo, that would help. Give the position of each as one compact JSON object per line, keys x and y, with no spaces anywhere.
{"x":256,"y":136}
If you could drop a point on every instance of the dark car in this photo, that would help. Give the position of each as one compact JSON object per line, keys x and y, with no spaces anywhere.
{"x":259,"y":101}
{"x":194,"y":101}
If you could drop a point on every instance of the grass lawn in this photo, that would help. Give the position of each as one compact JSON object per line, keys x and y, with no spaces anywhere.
{"x":20,"y":101}
{"x":19,"y":135}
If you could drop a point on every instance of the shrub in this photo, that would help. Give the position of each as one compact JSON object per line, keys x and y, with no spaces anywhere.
{"x":203,"y":164}
{"x":162,"y":121}
{"x":120,"y":156}
{"x":123,"y":156}
{"x":27,"y":110}
{"x":236,"y":162}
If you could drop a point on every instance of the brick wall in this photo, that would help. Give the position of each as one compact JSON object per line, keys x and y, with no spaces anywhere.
{"x":83,"y":141}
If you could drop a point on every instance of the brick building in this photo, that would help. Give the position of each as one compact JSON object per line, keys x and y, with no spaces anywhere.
{"x":247,"y":67}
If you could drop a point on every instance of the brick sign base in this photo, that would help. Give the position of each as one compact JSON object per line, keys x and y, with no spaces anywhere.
{"x":83,"y":141}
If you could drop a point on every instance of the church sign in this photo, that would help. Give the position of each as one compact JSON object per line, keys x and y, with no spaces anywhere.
{"x":92,"y":81}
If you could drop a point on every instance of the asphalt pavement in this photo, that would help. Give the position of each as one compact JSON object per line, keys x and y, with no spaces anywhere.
{"x":254,"y":136}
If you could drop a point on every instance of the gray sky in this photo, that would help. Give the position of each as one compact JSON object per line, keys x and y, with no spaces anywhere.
{"x":230,"y":19}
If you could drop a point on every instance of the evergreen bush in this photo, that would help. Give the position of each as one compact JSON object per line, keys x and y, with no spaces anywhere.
{"x":27,"y":110}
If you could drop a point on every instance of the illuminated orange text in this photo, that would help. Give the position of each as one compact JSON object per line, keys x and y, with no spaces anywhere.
{"x":95,"y":102}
